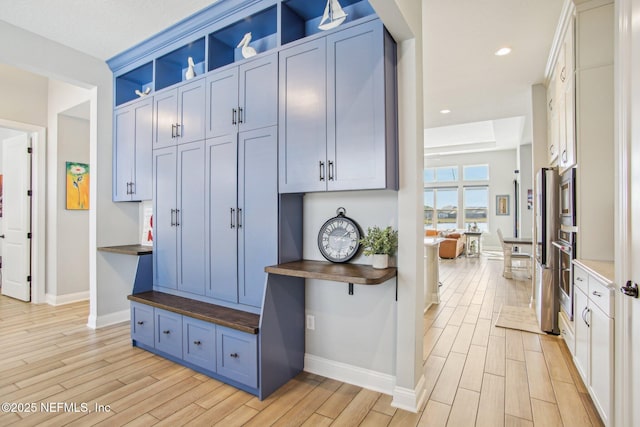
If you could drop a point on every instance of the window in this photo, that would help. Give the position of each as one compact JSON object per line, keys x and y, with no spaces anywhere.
{"x":429,"y":208}
{"x":475,"y":173}
{"x":429,"y":175}
{"x":447,"y":174}
{"x":446,"y":208}
{"x":476,"y":207}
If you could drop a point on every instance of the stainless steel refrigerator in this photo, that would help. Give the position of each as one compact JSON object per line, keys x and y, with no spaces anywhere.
{"x":547,"y":261}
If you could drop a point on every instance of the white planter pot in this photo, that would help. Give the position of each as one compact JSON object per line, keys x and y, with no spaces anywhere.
{"x":380,"y":261}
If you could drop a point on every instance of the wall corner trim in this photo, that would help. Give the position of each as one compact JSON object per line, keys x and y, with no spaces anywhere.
{"x":361,"y":377}
{"x":410,"y":399}
{"x":97,"y":322}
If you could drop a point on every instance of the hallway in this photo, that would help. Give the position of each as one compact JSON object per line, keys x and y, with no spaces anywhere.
{"x":482,"y":375}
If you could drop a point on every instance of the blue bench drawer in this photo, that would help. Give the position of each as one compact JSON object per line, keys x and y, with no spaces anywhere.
{"x":237,"y":355}
{"x":142,"y":323}
{"x":199,"y":343}
{"x":168,"y":336}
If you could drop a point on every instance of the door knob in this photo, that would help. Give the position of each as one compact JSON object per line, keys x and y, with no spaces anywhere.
{"x":630,"y":289}
{"x":1,"y":236}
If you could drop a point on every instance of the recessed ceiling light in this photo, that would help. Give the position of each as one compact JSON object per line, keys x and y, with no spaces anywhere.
{"x":503,"y":51}
{"x":445,"y":111}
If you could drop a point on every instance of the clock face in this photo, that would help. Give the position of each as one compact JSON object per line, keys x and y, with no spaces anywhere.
{"x":339,"y":239}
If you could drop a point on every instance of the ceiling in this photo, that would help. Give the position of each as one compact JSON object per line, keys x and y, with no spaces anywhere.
{"x":461,"y":72}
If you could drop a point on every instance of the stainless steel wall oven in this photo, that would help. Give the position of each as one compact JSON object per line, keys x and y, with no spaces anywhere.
{"x":566,"y":247}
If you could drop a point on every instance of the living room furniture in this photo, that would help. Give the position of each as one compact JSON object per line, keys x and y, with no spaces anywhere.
{"x":452,"y":245}
{"x":508,"y":243}
{"x":473,"y":236}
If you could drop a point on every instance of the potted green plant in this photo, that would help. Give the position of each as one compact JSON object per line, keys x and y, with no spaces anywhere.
{"x":380,"y":243}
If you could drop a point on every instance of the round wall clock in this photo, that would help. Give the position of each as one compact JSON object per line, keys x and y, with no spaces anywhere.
{"x":339,"y":238}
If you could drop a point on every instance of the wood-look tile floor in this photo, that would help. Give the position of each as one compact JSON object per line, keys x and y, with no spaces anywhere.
{"x":476,"y":374}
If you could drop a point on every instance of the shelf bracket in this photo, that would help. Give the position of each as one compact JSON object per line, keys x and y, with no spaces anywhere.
{"x":350,"y":288}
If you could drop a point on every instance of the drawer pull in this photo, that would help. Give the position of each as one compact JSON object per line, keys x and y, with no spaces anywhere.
{"x":596,"y":293}
{"x":167,"y":332}
{"x":140,"y":322}
{"x":197,"y":342}
{"x":579,"y":279}
{"x":234,"y":355}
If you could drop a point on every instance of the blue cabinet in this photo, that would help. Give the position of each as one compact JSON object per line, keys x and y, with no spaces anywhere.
{"x":168,"y":332}
{"x":242,"y":214}
{"x":237,"y":356}
{"x":179,"y":243}
{"x":132,"y":151}
{"x":242,"y":98}
{"x":179,"y":114}
{"x":142,"y":326}
{"x":339,"y":135}
{"x":199,"y":343}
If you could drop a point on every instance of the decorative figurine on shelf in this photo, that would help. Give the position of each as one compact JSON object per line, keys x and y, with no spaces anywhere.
{"x":191,"y":72}
{"x":333,"y":15}
{"x":146,"y":92}
{"x":247,"y":51}
{"x":474,"y":227}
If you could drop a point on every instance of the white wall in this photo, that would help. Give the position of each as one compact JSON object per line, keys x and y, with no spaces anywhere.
{"x":354,"y":329}
{"x":72,"y":228}
{"x":501,"y":166}
{"x":110,"y":223}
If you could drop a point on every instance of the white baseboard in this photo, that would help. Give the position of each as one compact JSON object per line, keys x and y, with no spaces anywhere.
{"x":96,"y":322}
{"x":410,"y":399}
{"x":67,"y":299}
{"x":365,"y":378}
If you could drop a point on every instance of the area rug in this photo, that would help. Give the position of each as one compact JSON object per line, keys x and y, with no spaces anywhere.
{"x":520,"y":318}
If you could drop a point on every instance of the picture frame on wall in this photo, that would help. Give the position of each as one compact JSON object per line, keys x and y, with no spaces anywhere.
{"x":502,"y":204}
{"x":77,"y":186}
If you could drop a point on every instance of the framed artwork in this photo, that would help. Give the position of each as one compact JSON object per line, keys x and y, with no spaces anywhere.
{"x":77,"y":186}
{"x":502,"y":204}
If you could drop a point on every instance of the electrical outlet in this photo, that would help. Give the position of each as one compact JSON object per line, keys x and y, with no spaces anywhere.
{"x":311,"y":322}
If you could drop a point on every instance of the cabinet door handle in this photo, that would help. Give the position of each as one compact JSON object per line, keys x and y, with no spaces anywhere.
{"x":166,"y":332}
{"x":233,"y":116}
{"x":240,"y":118}
{"x":330,"y":170}
{"x":178,"y":133}
{"x":584,"y":311}
{"x":563,"y":74}
{"x":132,"y":188}
{"x":579,"y":279}
{"x":140,"y":322}
{"x":173,"y":221}
{"x":589,"y":313}
{"x":177,"y":217}
{"x":197,"y":342}
{"x":128,"y":190}
{"x":596,"y":293}
{"x":239,"y":217}
{"x":551,"y":104}
{"x":564,"y":155}
{"x":234,"y":355}
{"x":321,"y":164}
{"x":233,"y":224}
{"x":173,"y":130}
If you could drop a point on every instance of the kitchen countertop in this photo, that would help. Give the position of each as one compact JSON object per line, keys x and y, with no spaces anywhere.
{"x":604,"y":270}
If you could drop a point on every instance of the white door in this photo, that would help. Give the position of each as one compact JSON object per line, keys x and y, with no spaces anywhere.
{"x":16,"y":218}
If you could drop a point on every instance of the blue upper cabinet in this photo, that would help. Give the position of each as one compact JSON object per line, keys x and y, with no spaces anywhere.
{"x":179,"y":114}
{"x":132,"y":151}
{"x":337,"y":128}
{"x":242,"y":98}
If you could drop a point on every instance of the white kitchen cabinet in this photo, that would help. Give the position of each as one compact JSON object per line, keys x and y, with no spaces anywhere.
{"x":594,"y":338}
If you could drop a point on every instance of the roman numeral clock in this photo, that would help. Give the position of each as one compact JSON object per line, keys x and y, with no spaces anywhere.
{"x":339,"y":238}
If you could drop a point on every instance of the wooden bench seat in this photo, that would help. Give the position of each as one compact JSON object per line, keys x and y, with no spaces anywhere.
{"x":229,"y":317}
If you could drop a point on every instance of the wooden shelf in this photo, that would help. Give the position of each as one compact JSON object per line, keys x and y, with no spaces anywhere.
{"x":128,"y":249}
{"x":235,"y":319}
{"x":347,"y":273}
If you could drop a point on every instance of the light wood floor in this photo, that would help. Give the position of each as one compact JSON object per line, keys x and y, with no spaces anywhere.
{"x":476,"y":374}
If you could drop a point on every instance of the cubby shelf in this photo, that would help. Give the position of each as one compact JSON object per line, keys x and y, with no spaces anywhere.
{"x":213,"y":43}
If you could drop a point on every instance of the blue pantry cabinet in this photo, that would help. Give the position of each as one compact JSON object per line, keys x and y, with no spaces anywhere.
{"x":179,"y":241}
{"x":338,"y":128}
{"x":132,"y":151}
{"x":231,"y":154}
